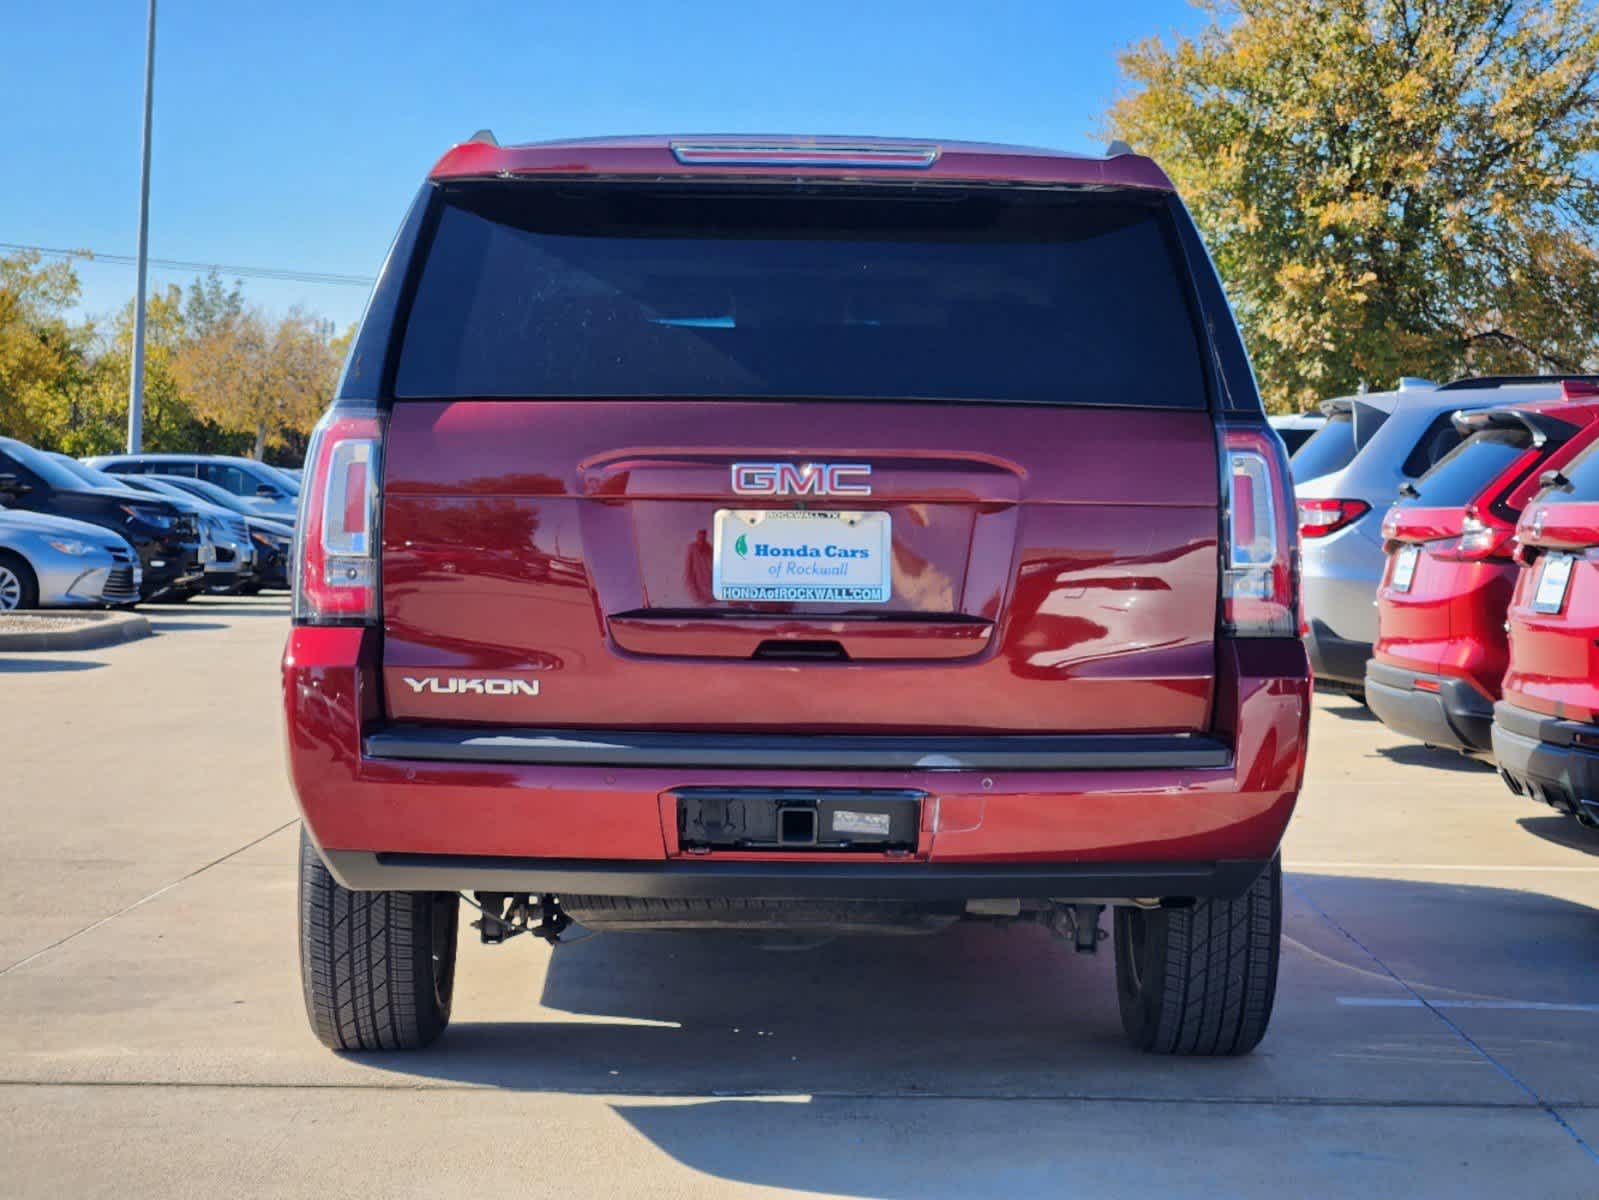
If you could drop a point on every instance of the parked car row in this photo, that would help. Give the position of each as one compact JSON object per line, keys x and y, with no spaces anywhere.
{"x":74,"y":535}
{"x":1479,"y":584}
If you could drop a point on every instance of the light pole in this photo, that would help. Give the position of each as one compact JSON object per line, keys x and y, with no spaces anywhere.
{"x":136,"y":381}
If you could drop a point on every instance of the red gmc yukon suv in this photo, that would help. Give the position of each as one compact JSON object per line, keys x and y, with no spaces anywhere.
{"x":795,"y":533}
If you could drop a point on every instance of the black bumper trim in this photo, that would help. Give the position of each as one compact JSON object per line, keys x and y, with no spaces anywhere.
{"x":1537,"y":758}
{"x":768,"y":751}
{"x":789,"y":880}
{"x":1456,"y":716}
{"x":1337,"y":663}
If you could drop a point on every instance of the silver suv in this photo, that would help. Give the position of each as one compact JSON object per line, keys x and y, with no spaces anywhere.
{"x":1345,"y":479}
{"x":263,"y":488}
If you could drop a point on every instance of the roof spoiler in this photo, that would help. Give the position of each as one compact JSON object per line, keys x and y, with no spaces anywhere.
{"x":1543,"y":427}
{"x":1498,"y":381}
{"x":1367,"y":418}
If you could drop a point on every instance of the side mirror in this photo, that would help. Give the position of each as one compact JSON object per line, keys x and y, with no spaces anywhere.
{"x":10,"y":485}
{"x":1553,"y":478}
{"x":267,"y":492}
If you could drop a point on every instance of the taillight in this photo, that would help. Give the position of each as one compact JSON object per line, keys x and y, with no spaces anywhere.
{"x":336,"y":536}
{"x":1318,"y":518}
{"x":1260,"y":547}
{"x":1478,"y":540}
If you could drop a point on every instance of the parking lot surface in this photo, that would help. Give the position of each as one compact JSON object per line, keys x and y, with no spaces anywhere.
{"x":1435,"y":1031}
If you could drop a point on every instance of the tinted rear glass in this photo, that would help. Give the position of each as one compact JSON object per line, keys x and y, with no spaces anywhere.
{"x":1438,"y":440}
{"x":530,"y":290}
{"x":1465,"y":471}
{"x":1329,"y":449}
{"x":1583,"y":471}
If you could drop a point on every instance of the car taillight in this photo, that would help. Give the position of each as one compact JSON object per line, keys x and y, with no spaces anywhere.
{"x":336,"y":535}
{"x":1478,"y":540}
{"x":1260,"y":546}
{"x":1318,"y":518}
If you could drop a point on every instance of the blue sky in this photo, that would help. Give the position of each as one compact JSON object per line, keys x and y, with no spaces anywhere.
{"x":293,"y":134}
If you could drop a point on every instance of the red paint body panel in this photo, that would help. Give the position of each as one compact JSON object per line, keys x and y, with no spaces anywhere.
{"x":331,"y":693}
{"x":1554,"y":657}
{"x":652,"y":157}
{"x":569,"y":543}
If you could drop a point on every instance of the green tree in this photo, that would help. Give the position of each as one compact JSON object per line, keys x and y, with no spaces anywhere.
{"x":41,"y":352}
{"x":1389,"y":187}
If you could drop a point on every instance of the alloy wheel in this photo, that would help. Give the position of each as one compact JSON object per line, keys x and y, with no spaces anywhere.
{"x":10,"y":590}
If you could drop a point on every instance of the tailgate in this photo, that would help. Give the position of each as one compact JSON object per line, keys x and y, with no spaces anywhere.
{"x":553,"y":563}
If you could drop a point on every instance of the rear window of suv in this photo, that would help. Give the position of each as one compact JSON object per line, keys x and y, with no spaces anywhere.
{"x":583,"y":291}
{"x":1459,"y":477}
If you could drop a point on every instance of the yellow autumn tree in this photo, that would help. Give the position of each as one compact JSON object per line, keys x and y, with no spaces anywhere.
{"x":266,"y":379}
{"x":1389,"y":187}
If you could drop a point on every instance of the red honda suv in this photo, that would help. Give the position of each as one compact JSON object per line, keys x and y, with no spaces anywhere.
{"x":1441,"y":649}
{"x":803,"y":534}
{"x":1546,"y":729}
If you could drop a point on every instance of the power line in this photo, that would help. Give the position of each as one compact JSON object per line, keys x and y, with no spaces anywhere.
{"x":284,"y":274}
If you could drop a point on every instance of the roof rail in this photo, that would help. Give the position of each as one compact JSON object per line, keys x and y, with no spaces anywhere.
{"x":1117,"y":147}
{"x":486,"y":136}
{"x":1496,"y":381}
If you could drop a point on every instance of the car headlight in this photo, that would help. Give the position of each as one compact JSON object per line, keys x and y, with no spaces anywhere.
{"x":71,"y":547}
{"x":159,"y":520}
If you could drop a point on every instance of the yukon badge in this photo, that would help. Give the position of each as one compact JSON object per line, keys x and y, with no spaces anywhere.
{"x":457,"y":685}
{"x":809,"y":479}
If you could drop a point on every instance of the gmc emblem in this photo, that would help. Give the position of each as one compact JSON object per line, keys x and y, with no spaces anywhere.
{"x":811,"y":479}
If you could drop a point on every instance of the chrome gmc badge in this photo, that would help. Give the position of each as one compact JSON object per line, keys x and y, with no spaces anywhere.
{"x":809,"y":479}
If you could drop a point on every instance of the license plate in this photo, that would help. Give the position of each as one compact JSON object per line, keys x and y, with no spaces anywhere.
{"x":1554,"y":578}
{"x":1405,"y":567}
{"x":783,"y":555}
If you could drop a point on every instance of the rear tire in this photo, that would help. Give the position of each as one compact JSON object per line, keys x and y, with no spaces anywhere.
{"x":19,"y":587}
{"x":378,"y":968}
{"x":1201,"y":980}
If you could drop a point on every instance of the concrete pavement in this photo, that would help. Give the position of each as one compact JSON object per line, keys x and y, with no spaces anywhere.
{"x":1434,"y":1030}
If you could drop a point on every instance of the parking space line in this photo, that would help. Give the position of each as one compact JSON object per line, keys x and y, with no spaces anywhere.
{"x":1387,"y":866}
{"x":1437,"y":1011}
{"x":1414,"y":1001}
{"x":160,"y":891}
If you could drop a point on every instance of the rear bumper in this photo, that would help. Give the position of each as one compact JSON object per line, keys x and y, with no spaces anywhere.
{"x":1450,"y":713}
{"x":1538,"y":757}
{"x":1337,"y":663}
{"x":697,"y":879}
{"x":389,"y":805}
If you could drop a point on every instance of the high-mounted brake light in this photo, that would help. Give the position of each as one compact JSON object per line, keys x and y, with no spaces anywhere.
{"x":1318,"y":518}
{"x":1260,"y":546}
{"x":755,"y":154}
{"x":336,"y":536}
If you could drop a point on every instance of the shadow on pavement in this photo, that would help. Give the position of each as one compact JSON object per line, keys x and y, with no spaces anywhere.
{"x":42,"y":666}
{"x":806,"y":1041}
{"x":1347,"y":708}
{"x":875,"y":1013}
{"x":1414,"y":754}
{"x":1563,"y":831}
